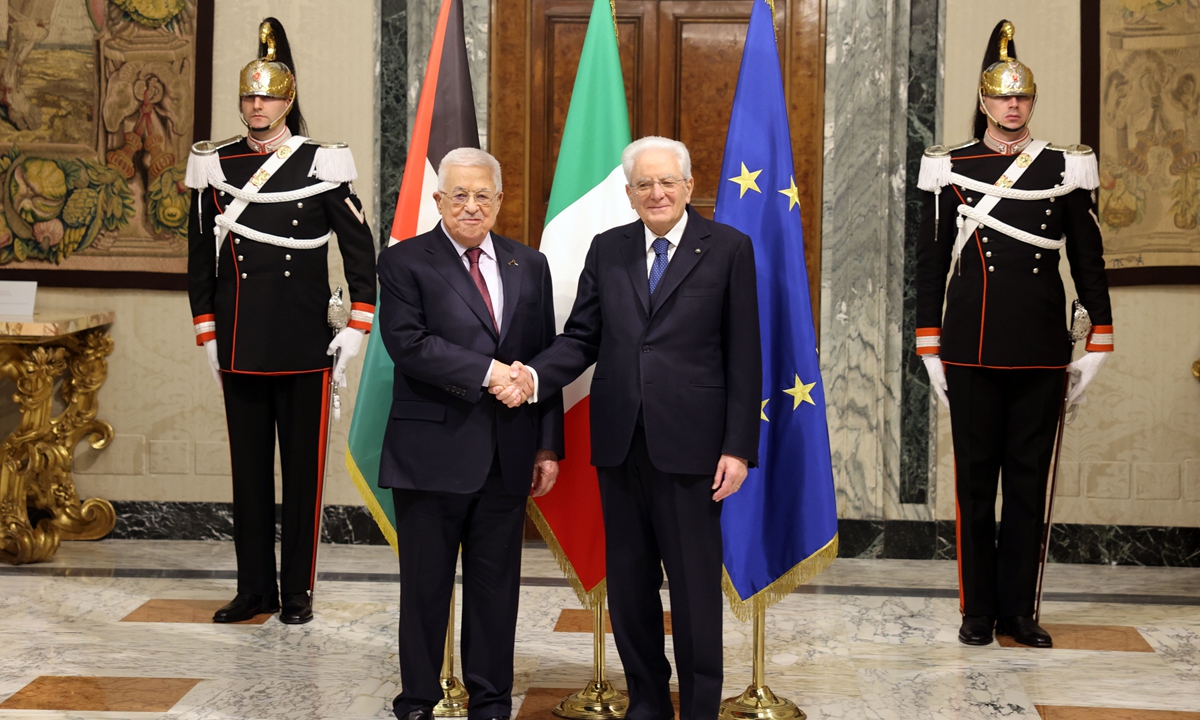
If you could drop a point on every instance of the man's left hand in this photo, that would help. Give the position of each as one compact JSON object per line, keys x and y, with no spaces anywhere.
{"x":545,"y":472}
{"x":731,"y":473}
{"x":349,"y":341}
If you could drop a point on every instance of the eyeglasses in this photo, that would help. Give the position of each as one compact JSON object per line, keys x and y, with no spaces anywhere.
{"x":483,"y":198}
{"x":669,"y":184}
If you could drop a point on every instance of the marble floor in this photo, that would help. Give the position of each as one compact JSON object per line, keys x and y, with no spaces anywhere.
{"x":118,"y":629}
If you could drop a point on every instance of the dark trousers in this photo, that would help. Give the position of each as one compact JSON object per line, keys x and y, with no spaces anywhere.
{"x":256,"y":407}
{"x":653,"y":520}
{"x":430,"y":526}
{"x":1003,"y":423}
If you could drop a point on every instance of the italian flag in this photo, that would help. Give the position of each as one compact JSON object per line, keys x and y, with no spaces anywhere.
{"x":587,"y":198}
{"x":445,"y":120}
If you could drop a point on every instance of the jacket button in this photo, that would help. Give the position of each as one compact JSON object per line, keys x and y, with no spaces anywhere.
{"x":240,"y":258}
{"x":243,"y":276}
{"x":1037,"y":256}
{"x":988,"y":253}
{"x":287,"y":257}
{"x":287,"y":273}
{"x":237,"y":241}
{"x":1047,"y":211}
{"x":645,"y":348}
{"x":299,"y":204}
{"x":295,"y":223}
{"x":222,"y":193}
{"x":1043,"y":226}
{"x":1051,"y":199}
{"x":970,"y":199}
{"x":1035,"y":271}
{"x":985,"y":239}
{"x":991,"y":268}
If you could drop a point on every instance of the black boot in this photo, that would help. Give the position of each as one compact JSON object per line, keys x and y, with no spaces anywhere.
{"x":976,"y":630}
{"x":1024,"y":630}
{"x":297,"y":609}
{"x":418,"y":714}
{"x":245,"y":606}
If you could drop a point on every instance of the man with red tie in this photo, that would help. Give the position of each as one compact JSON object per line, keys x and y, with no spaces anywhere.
{"x":456,"y":305}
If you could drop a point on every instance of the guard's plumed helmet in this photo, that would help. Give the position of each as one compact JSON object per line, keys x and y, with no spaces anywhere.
{"x":1003,"y":75}
{"x":271,"y":75}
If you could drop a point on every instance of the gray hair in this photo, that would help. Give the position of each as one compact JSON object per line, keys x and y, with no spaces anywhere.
{"x":468,"y":157}
{"x":653,"y":142}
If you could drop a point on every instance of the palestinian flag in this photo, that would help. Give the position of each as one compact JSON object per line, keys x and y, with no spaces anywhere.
{"x":445,"y":120}
{"x":587,"y":198}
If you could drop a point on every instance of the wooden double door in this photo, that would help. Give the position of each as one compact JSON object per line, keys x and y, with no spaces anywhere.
{"x":680,"y":59}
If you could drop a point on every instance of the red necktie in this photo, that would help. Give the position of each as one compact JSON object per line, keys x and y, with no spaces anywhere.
{"x":473,"y":256}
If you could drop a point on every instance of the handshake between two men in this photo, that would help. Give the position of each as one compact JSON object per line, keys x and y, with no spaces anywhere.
{"x":513,"y":385}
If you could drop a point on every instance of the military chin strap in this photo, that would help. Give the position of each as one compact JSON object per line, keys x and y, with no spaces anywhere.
{"x":277,"y":122}
{"x":984,"y":110}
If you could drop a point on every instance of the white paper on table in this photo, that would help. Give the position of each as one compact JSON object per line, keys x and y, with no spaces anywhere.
{"x":17,"y":298}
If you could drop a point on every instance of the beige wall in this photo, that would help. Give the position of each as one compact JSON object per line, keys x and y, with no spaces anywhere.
{"x":1133,"y":455}
{"x":160,"y":397}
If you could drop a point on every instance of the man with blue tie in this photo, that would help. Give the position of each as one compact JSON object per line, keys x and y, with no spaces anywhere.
{"x":667,"y":309}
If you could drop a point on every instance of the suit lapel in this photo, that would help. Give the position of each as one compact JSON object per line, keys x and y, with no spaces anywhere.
{"x":511,"y":273}
{"x":687,"y":255}
{"x":445,"y":259}
{"x":635,"y":259}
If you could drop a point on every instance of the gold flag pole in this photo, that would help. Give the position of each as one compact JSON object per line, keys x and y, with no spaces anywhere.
{"x":599,"y":700}
{"x":454,"y":695}
{"x":758,"y":702}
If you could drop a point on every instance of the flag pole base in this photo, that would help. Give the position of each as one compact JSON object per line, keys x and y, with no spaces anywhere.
{"x":759,"y":703}
{"x":454,"y":699}
{"x":598,"y":701}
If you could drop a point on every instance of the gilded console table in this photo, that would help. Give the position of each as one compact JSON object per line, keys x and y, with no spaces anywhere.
{"x":35,"y":460}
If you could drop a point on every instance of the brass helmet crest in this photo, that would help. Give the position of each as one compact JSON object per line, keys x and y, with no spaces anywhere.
{"x":270,"y":75}
{"x":1007,"y":77}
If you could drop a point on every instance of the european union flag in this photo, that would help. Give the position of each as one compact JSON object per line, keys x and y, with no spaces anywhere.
{"x":780,"y":530}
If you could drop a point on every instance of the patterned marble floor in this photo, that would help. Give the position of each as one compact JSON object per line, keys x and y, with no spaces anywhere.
{"x":109,"y":630}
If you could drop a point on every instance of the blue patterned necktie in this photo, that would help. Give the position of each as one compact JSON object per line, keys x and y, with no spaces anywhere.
{"x":660,"y":262}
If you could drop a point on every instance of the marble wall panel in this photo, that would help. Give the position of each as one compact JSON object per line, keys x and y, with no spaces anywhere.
{"x":393,"y":124}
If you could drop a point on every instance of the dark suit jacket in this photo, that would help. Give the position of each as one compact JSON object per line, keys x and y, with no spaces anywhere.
{"x":445,"y":428}
{"x":689,"y":360}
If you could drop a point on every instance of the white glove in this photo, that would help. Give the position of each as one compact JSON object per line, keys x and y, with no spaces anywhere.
{"x":1081,"y":372}
{"x":937,"y":377}
{"x":349,"y":341}
{"x":210,"y":349}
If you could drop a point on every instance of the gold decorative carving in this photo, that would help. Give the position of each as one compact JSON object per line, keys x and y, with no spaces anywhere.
{"x":35,"y":460}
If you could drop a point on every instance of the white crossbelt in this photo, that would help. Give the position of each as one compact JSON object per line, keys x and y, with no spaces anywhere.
{"x":274,"y":197}
{"x":229,"y":226}
{"x":981,"y":213}
{"x":268,"y":169}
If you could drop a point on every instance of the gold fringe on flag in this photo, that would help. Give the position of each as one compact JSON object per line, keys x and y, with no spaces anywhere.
{"x":381,"y":518}
{"x":802,"y":572}
{"x":589,"y":598}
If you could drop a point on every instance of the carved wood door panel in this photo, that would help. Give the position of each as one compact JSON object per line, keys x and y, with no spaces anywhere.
{"x":680,"y":60}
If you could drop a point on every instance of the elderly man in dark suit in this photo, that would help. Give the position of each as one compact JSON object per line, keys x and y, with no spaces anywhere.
{"x":455,"y":303}
{"x":667,"y":308}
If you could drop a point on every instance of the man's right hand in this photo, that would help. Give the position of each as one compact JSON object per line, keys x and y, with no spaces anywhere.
{"x":210,"y":349}
{"x":515,"y":387}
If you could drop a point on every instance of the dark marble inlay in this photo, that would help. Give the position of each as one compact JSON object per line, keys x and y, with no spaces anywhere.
{"x":393,"y":109}
{"x":860,"y":538}
{"x":1125,"y":545}
{"x":915,"y":413}
{"x":142,"y":520}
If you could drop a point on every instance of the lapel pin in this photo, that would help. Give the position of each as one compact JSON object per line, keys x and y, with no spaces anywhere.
{"x":514,"y":262}
{"x":697,"y":251}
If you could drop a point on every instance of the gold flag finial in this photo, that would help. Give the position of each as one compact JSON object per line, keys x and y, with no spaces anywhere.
{"x":267,"y":35}
{"x":1006,"y":36}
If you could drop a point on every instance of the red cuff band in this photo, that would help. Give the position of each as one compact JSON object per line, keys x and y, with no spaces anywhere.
{"x":929,"y":341}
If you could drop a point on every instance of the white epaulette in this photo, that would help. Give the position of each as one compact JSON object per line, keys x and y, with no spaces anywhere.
{"x":204,"y":164}
{"x":1082,"y":169}
{"x":333,"y":162}
{"x":935,"y":165}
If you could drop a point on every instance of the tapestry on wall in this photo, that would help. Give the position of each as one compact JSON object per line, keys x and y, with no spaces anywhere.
{"x":96,"y":118}
{"x":1150,"y":137}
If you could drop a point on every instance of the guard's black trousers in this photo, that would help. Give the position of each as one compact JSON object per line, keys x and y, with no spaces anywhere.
{"x":1003,"y":422}
{"x":256,"y":406}
{"x":655,"y":520}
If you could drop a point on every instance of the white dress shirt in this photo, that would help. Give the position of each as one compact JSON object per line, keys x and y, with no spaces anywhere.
{"x":490,"y":269}
{"x":673,"y":236}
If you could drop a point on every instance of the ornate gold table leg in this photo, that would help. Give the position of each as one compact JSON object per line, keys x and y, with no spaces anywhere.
{"x":35,"y":460}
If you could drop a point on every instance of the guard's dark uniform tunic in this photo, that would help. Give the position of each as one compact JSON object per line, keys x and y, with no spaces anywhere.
{"x":266,"y":306}
{"x":1005,"y":343}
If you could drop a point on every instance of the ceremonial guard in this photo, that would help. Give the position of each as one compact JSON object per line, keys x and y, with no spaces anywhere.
{"x":1000,"y":210}
{"x":264,"y":210}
